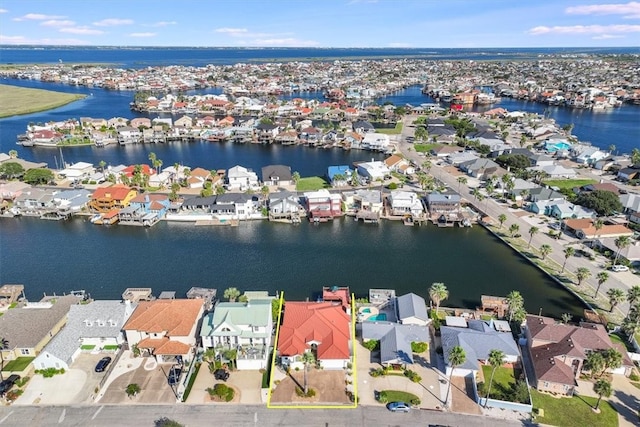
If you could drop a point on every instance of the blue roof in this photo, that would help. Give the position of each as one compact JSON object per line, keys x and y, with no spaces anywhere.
{"x":335,"y":170}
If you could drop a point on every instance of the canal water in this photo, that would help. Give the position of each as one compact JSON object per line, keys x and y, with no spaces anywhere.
{"x":61,"y":256}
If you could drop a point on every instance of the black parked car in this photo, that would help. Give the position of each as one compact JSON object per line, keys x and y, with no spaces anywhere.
{"x":174,"y":375}
{"x":6,"y":385}
{"x":221,"y":374}
{"x":102,"y":364}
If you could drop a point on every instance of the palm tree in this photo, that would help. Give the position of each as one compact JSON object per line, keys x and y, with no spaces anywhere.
{"x":102,"y":164}
{"x":612,"y":149}
{"x":496,"y":359}
{"x":594,"y":362}
{"x":132,"y":390}
{"x":462,"y":180}
{"x":515,"y":302}
{"x":630,"y":327}
{"x":532,"y":231}
{"x":4,"y":345}
{"x":457,"y":357}
{"x":502,"y":218}
{"x":621,"y":243}
{"x":475,"y":193}
{"x":598,"y":224}
{"x":308,"y":358}
{"x":612,"y":359}
{"x":568,"y":252}
{"x":231,"y":294}
{"x":295,"y":177}
{"x":513,"y":229}
{"x":602,"y":277}
{"x":13,"y":154}
{"x":176,"y":169}
{"x":152,"y":159}
{"x":616,"y":296}
{"x":633,"y":296}
{"x":437,"y":293}
{"x":601,"y":388}
{"x":545,"y":250}
{"x":566,"y":317}
{"x":582,"y":273}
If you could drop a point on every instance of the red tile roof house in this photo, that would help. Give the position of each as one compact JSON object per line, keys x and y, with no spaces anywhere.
{"x":165,"y":328}
{"x":321,"y":327}
{"x":557,"y":352}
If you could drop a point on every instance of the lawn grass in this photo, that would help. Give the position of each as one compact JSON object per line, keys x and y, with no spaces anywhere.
{"x":568,"y":183}
{"x":87,"y":347}
{"x":311,"y":183}
{"x":18,"y":100}
{"x":18,"y":365}
{"x":425,"y":148}
{"x":573,"y":411}
{"x":391,"y":131}
{"x":615,"y":338}
{"x":399,"y":396}
{"x":503,"y":376}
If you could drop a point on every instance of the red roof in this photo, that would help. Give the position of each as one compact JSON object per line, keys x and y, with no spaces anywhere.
{"x":114,"y":192}
{"x":322,"y":323}
{"x":146,"y":170}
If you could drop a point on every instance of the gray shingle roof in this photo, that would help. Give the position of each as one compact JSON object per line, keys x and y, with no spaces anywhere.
{"x":412,"y":305}
{"x":395,"y":339}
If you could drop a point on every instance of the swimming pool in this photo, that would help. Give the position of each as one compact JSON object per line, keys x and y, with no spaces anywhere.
{"x":377,"y":317}
{"x":552,"y":147}
{"x":366,"y":310}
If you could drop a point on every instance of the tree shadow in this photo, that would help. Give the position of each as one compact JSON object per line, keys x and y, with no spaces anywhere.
{"x":626,"y":406}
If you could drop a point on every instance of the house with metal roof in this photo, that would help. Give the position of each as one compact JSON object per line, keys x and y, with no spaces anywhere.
{"x":395,"y":340}
{"x":90,"y":326}
{"x":242,"y":326}
{"x":412,"y":310}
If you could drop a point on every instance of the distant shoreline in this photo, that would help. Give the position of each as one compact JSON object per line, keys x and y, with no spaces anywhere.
{"x":19,"y":101}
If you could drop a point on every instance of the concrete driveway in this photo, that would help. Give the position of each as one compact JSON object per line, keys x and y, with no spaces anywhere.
{"x":77,"y":385}
{"x":625,"y":399}
{"x":246,"y":383}
{"x":152,"y":379}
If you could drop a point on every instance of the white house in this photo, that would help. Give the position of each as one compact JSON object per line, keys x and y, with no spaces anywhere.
{"x":241,"y":178}
{"x":242,"y":326}
{"x":96,"y":326}
{"x":374,"y":170}
{"x":78,"y":171}
{"x":405,"y":203}
{"x":375,"y":141}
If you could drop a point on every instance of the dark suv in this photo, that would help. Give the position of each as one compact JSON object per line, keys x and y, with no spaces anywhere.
{"x":6,"y":385}
{"x":221,"y":374}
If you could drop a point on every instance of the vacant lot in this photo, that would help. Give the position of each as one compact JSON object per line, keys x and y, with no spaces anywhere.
{"x":573,"y":411}
{"x":311,"y":183}
{"x":568,"y":183}
{"x":19,"y":100}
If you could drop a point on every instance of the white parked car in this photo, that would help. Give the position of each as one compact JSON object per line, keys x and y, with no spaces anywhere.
{"x":619,"y":267}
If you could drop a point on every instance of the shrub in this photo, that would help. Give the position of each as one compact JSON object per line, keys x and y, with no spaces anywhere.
{"x":371,"y":345}
{"x":377,"y":372}
{"x":419,"y":347}
{"x":166,"y":422}
{"x":382,"y":397}
{"x":22,"y":381}
{"x":49,"y":372}
{"x":415,"y":402}
{"x":412,"y":375}
{"x":393,"y":186}
{"x":634,"y":377}
{"x":13,"y":395}
{"x":222,"y":391}
{"x":310,"y":393}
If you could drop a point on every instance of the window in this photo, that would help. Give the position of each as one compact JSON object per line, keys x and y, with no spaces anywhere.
{"x":25,"y":351}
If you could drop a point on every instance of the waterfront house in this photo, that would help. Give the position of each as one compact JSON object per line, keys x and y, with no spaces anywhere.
{"x":241,"y":179}
{"x":363,"y":127}
{"x":95,"y":326}
{"x":165,"y":328}
{"x":362,"y":200}
{"x":276,"y":175}
{"x":198,"y":177}
{"x":447,"y":205}
{"x":587,"y":155}
{"x":477,"y":338}
{"x":34,"y":201}
{"x":284,"y":205}
{"x":243,"y":326}
{"x":266,"y":132}
{"x":412,"y":310}
{"x":30,"y":327}
{"x":144,"y":209}
{"x":395,"y":341}
{"x":77,"y":171}
{"x":240,"y":206}
{"x":375,"y":141}
{"x":557,"y":352}
{"x":373,"y":171}
{"x":140,"y":122}
{"x":71,"y":201}
{"x":584,"y":229}
{"x":403,"y":203}
{"x":130,"y":134}
{"x":116,"y":196}
{"x":322,"y":204}
{"x":12,"y":189}
{"x":629,"y":173}
{"x":320,"y":327}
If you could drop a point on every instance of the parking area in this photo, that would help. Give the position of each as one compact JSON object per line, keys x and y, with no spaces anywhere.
{"x":246,"y":383}
{"x":150,"y":376}
{"x":77,"y":385}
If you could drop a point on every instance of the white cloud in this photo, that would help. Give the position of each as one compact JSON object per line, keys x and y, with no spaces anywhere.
{"x":584,"y":29}
{"x":81,"y":30}
{"x":361,"y":2}
{"x":629,"y":10}
{"x":287,"y":42}
{"x":112,"y":22}
{"x":18,"y":40}
{"x":399,"y":44}
{"x":232,"y":31}
{"x":163,"y":23}
{"x":3,"y":11}
{"x":142,"y":35}
{"x":606,"y":37}
{"x":38,"y":17}
{"x":58,"y":23}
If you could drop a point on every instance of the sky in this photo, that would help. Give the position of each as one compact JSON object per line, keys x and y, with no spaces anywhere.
{"x":321,"y":23}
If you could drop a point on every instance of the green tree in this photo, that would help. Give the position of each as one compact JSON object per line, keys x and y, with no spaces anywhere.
{"x":457,"y":357}
{"x":513,"y":229}
{"x":635,"y":156}
{"x":594,"y":363}
{"x":13,"y":154}
{"x":231,"y":294}
{"x":132,"y":390}
{"x":568,"y":253}
{"x":582,"y":273}
{"x":566,"y":318}
{"x":438,"y":292}
{"x":631,"y":327}
{"x":515,"y":303}
{"x":38,"y":176}
{"x":231,"y":355}
{"x":166,"y":422}
{"x":102,"y":164}
{"x":532,"y":232}
{"x":621,"y":242}
{"x":11,"y":170}
{"x":602,"y":201}
{"x":615,"y":296}
{"x":295,"y":177}
{"x":308,"y":358}
{"x":598,"y":224}
{"x":462,"y":180}
{"x":603,"y":389}
{"x":545,"y":250}
{"x":496,"y":359}
{"x":612,"y":359}
{"x":275,"y":308}
{"x":633,"y":296}
{"x":502,"y":218}
{"x":602,"y":277}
